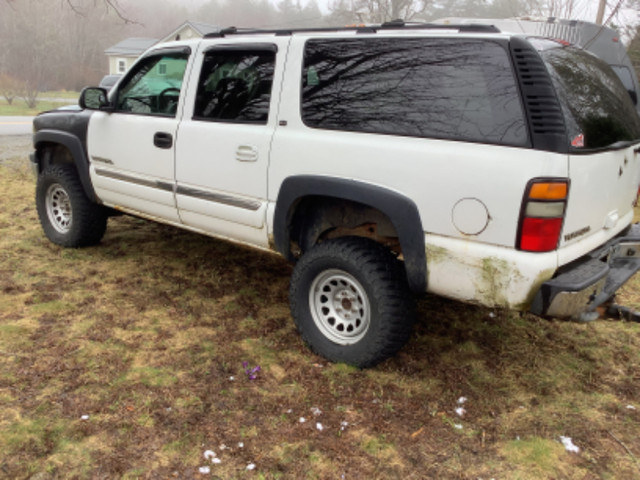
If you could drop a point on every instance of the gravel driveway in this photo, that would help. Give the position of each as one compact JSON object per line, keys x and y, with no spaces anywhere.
{"x":15,"y":149}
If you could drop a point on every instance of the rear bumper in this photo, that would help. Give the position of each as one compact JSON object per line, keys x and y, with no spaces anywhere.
{"x":588,"y":282}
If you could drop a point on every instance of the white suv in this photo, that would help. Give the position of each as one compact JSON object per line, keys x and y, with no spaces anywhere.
{"x":486,"y":167}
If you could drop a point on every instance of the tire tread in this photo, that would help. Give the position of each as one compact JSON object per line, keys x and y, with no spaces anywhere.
{"x":89,"y":218}
{"x":385,"y":275}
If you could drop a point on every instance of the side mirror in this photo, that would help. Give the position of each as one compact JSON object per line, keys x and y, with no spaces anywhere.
{"x":94,"y":98}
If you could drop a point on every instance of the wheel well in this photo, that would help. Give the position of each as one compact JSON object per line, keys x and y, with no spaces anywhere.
{"x":49,"y":153}
{"x":314,"y":219}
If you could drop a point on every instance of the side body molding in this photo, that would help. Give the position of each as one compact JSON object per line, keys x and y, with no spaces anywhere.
{"x":402,"y":212}
{"x":76,"y":148}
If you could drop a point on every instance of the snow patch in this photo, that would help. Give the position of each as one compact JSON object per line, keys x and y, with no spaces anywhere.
{"x":569,"y":445}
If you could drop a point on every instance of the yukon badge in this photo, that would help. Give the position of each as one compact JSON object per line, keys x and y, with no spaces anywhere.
{"x":578,"y":233}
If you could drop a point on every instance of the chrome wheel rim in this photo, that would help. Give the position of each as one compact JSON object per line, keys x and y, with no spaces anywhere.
{"x":59,"y":208}
{"x":340,"y":307}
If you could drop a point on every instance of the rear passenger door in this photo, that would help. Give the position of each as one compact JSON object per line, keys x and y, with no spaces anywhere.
{"x":222,"y":153}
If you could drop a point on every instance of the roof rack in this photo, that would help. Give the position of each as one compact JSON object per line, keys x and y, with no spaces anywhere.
{"x":392,"y":25}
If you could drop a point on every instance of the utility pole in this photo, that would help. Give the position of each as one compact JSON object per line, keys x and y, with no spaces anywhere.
{"x":601,"y":8}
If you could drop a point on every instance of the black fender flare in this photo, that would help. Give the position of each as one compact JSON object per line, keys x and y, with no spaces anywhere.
{"x":76,"y":148}
{"x":401,"y":211}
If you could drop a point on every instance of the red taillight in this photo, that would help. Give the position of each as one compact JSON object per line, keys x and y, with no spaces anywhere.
{"x":540,"y":234}
{"x":542,"y":215}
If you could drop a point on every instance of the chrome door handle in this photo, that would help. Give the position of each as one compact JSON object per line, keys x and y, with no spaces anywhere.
{"x":247,"y":153}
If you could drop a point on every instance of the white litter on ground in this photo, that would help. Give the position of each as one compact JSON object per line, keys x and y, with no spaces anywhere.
{"x":343,"y":425}
{"x":302,"y":420}
{"x":232,"y":378}
{"x":569,"y":445}
{"x":216,"y":460}
{"x":240,"y":444}
{"x":204,"y":470}
{"x":458,"y":426}
{"x":316,"y":411}
{"x":84,"y":417}
{"x":209,"y":454}
{"x":631,"y":407}
{"x":251,"y":466}
{"x":460,"y":411}
{"x":462,"y":400}
{"x":319,"y":426}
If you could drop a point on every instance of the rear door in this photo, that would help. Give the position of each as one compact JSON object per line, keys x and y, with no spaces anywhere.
{"x":224,"y":139}
{"x":604,"y":134}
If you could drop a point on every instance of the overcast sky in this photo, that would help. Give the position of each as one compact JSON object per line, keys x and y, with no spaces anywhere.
{"x":584,"y":9}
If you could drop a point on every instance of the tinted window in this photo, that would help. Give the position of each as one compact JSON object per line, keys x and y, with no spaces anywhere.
{"x":624,"y":74}
{"x":153,"y":88}
{"x":597,"y":107}
{"x":235,"y":86}
{"x":451,"y":89}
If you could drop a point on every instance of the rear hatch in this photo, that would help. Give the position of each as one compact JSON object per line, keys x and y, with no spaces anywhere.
{"x":603,"y":130}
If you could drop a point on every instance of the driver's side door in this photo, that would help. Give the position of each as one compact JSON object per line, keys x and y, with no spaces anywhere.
{"x":131,"y":149}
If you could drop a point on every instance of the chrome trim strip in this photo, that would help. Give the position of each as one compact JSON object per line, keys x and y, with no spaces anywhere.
{"x":232,"y":201}
{"x":102,"y":160}
{"x":138,"y":181}
{"x":224,"y":199}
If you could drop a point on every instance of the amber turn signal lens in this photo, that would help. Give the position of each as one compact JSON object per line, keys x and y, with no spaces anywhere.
{"x":548,"y":191}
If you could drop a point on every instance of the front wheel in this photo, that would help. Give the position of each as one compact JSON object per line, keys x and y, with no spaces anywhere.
{"x":67,"y":216}
{"x":350,"y":301}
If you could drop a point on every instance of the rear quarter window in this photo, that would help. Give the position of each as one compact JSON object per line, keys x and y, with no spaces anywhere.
{"x":460,"y":89}
{"x":597,"y":107}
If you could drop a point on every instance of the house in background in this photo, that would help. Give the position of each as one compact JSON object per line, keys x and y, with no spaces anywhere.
{"x":122,"y":55}
{"x":190,"y":30}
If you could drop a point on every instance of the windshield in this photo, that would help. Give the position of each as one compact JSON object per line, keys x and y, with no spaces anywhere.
{"x":598,"y":109}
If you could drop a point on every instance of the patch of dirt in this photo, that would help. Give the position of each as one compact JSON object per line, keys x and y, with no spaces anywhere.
{"x":14,"y":149}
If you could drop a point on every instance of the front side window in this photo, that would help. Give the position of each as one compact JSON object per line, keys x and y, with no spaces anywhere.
{"x":598,"y":109}
{"x":235,"y":86}
{"x":456,"y":89}
{"x":153,"y":88}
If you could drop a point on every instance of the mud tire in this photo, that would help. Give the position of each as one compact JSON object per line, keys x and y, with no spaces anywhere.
{"x":362,"y":278}
{"x":67,"y":216}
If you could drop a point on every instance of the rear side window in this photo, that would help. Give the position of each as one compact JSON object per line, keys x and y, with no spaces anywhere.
{"x":624,"y":74}
{"x":451,"y":89}
{"x":598,"y":109}
{"x":235,"y":86}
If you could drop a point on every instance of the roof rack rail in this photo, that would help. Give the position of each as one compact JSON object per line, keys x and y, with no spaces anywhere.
{"x":394,"y":24}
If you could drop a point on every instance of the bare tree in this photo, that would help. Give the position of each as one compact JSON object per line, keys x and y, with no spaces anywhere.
{"x":75,"y":6}
{"x":9,"y":87}
{"x":378,"y":11}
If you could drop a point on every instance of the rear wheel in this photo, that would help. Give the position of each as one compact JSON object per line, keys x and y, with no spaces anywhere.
{"x":350,"y":301}
{"x":67,"y":216}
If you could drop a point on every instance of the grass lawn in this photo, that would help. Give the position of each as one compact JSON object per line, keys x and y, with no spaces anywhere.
{"x":19,"y":107}
{"x":129,"y":359}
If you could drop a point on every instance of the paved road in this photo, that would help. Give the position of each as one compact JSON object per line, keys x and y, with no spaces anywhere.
{"x":15,"y":125}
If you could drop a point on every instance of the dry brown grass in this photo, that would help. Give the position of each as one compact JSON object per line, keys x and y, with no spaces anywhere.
{"x":147,"y":334}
